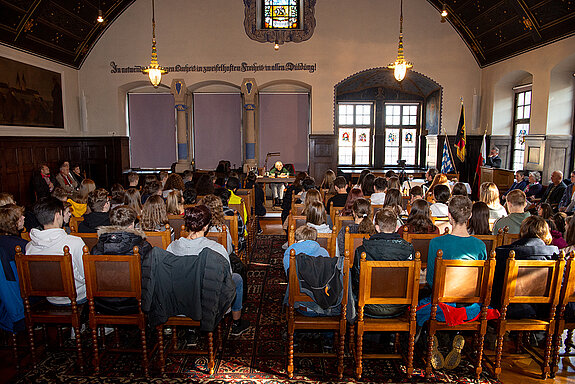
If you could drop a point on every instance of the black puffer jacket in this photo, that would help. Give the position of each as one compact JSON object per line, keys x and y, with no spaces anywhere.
{"x":92,"y":221}
{"x":187,"y":285}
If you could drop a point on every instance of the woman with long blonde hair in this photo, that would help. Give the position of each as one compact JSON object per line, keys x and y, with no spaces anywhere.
{"x":489,"y":194}
{"x":175,"y":202}
{"x":133,"y":200}
{"x":154,"y":215}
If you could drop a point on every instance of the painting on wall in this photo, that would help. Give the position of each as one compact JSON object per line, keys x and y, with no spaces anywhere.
{"x":433,"y":113}
{"x":30,"y":96}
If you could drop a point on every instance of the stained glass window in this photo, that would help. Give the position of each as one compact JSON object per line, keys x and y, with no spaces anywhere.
{"x":281,"y":14}
{"x":355,"y":123}
{"x":521,"y":126}
{"x":401,"y":137}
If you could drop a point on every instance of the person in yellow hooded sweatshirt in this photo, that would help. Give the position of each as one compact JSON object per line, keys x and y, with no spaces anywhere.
{"x":79,"y":198}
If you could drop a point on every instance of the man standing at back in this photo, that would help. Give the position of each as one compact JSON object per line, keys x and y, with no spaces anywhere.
{"x":51,"y":241}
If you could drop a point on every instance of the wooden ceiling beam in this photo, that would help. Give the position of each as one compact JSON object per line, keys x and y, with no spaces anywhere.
{"x":31,"y":12}
{"x":528,"y":19}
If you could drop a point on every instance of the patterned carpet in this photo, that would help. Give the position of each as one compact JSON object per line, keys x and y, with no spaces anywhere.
{"x":259,"y":355}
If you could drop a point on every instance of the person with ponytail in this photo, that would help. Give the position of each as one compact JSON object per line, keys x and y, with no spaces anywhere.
{"x":363,"y":223}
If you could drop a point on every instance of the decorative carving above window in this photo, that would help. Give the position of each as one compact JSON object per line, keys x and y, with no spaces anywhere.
{"x":254,"y":23}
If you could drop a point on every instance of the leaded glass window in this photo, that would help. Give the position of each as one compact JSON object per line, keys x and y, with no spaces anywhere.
{"x":401,"y":133}
{"x":281,"y":14}
{"x":355,"y":127}
{"x":521,"y":121}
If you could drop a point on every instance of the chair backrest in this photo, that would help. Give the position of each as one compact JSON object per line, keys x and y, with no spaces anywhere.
{"x":420,"y":242}
{"x":352,"y":241}
{"x":568,"y":287}
{"x":113,"y":275}
{"x":90,"y":239}
{"x":296,"y":220}
{"x":232,"y":224}
{"x":404,"y":202}
{"x":46,"y":275}
{"x":295,"y":293}
{"x":491,"y":241}
{"x":74,"y":222}
{"x":509,"y":238}
{"x":376,"y":208}
{"x":442,"y":223}
{"x":388,"y":282}
{"x":334,"y":212}
{"x":341,"y":222}
{"x":325,"y":240}
{"x":533,"y":281}
{"x":297,"y":209}
{"x":240,"y":208}
{"x":190,"y":205}
{"x":249,"y":196}
{"x":159,"y":239}
{"x":218,"y":237}
{"x":25,"y":235}
{"x":176,"y":222}
{"x":463,"y":281}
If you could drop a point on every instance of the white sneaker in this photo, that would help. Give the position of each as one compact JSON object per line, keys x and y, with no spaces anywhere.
{"x":82,"y":330}
{"x":285,"y":246}
{"x":107,"y":331}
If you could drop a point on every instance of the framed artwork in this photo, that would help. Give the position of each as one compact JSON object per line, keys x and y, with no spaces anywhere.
{"x":30,"y":96}
{"x":433,"y":113}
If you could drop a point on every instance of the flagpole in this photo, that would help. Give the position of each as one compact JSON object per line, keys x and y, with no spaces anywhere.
{"x":483,"y":141}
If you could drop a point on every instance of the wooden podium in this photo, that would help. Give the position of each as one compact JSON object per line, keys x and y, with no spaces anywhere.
{"x":503,"y":178}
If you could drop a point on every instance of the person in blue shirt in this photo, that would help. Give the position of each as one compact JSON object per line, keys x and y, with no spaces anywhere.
{"x":519,"y":183}
{"x":305,"y":237}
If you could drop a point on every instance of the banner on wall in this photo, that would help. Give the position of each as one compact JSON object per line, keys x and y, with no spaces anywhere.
{"x":223,"y":68}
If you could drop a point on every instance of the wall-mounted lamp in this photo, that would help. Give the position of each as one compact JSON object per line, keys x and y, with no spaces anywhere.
{"x":444,"y":13}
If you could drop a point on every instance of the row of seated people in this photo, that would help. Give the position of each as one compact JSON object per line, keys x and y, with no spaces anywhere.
{"x":385,"y":244}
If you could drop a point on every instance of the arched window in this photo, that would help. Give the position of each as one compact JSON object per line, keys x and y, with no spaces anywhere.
{"x":521,"y":122}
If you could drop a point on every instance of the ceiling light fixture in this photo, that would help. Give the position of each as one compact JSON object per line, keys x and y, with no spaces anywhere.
{"x":100,"y":18}
{"x":276,"y":45}
{"x":444,"y":13}
{"x":154,"y":71}
{"x":400,"y":66}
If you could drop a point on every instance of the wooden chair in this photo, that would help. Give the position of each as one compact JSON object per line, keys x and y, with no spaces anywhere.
{"x":351,"y":242}
{"x":297,"y":321}
{"x":530,"y":281}
{"x":249,"y":196}
{"x":442,"y":223}
{"x":232,"y":224}
{"x":325,"y":240}
{"x":90,"y":239}
{"x":420,"y":242}
{"x":509,"y":238}
{"x":297,"y":209}
{"x":464,"y":282}
{"x":49,"y":276}
{"x":218,"y":237}
{"x":295,"y":220}
{"x":176,"y":222}
{"x":341,"y":222}
{"x":114,"y":276}
{"x":387,"y":282}
{"x":25,"y":235}
{"x":375,"y":208}
{"x":74,"y":222}
{"x":334,"y":212}
{"x":241,"y":209}
{"x":491,"y":241}
{"x":567,"y":296}
{"x":160,"y":239}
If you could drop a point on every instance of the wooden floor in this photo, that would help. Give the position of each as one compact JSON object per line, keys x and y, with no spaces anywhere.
{"x":516,"y":369}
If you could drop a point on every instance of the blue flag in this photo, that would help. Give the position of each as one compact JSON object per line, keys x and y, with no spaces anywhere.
{"x":446,"y":164}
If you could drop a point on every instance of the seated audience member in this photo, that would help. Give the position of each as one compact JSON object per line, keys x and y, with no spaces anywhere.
{"x":174,"y":182}
{"x":190,"y":196}
{"x":132,"y":199}
{"x":60,"y":194}
{"x":51,"y":241}
{"x":534,"y":189}
{"x":99,"y":212}
{"x":533,"y":244}
{"x":389,"y":174}
{"x":187,"y":178}
{"x":380,"y":187}
{"x":352,"y":196}
{"x":560,"y":220}
{"x":163,"y":177}
{"x":197,"y":221}
{"x":6,"y":198}
{"x":154,"y":216}
{"x":479,"y":222}
{"x":216,"y":208}
{"x":313,"y":195}
{"x":441,"y":195}
{"x":328,"y":184}
{"x":41,"y":182}
{"x":545,"y":210}
{"x":367,"y":187}
{"x":567,"y":202}
{"x":493,"y":160}
{"x":117,"y":193}
{"x":153,"y":188}
{"x":11,"y":306}
{"x":77,"y":174}
{"x":119,"y":238}
{"x":429,"y":176}
{"x":384,"y":245}
{"x":293,"y":189}
{"x":65,"y":179}
{"x":393,"y":183}
{"x":233,"y":184}
{"x":516,"y":202}
{"x":307,"y":184}
{"x":340,"y":197}
{"x":415,"y":193}
{"x":362,"y":175}
{"x":557,"y":236}
{"x":439,"y":179}
{"x":259,"y":198}
{"x":519,"y":183}
{"x":133,"y":180}
{"x":224,"y":195}
{"x":489,"y":194}
{"x":316,"y":217}
{"x":204,"y":185}
{"x":555,"y":189}
{"x":278,"y":189}
{"x":363,"y":223}
{"x":393,"y":200}
{"x":79,"y":198}
{"x":419,"y":219}
{"x":305,"y":242}
{"x":569,"y":235}
{"x":459,"y":189}
{"x":175,"y":203}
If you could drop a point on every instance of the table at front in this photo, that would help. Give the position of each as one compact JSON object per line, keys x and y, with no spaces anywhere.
{"x":266,"y":179}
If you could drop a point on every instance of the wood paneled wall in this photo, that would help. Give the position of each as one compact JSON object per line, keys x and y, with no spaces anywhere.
{"x":102,"y":158}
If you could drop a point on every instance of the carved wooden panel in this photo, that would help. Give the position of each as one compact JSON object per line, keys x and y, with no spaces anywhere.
{"x":322,"y":155}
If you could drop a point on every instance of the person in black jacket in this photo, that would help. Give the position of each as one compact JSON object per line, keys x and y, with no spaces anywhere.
{"x":386,"y":244}
{"x":42,"y":183}
{"x":555,"y":190}
{"x":493,"y":160}
{"x":99,"y":216}
{"x":533,"y":244}
{"x":120,"y":238}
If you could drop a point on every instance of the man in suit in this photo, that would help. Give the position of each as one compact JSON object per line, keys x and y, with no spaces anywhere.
{"x":555,"y":190}
{"x":493,"y":160}
{"x":568,"y":195}
{"x":41,"y":182}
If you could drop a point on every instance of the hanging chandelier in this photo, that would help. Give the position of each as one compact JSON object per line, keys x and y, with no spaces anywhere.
{"x":400,"y":66}
{"x":154,"y":71}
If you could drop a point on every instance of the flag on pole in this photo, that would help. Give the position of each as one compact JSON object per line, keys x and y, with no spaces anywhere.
{"x":481,"y":160}
{"x":461,"y":137}
{"x":446,"y":164}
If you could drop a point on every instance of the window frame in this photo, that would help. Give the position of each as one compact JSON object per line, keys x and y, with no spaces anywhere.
{"x":355,"y":126}
{"x":522,"y":89}
{"x":401,"y":127}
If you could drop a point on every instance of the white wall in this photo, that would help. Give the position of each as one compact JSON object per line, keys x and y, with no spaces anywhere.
{"x":70,"y":97}
{"x":350,"y":36}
